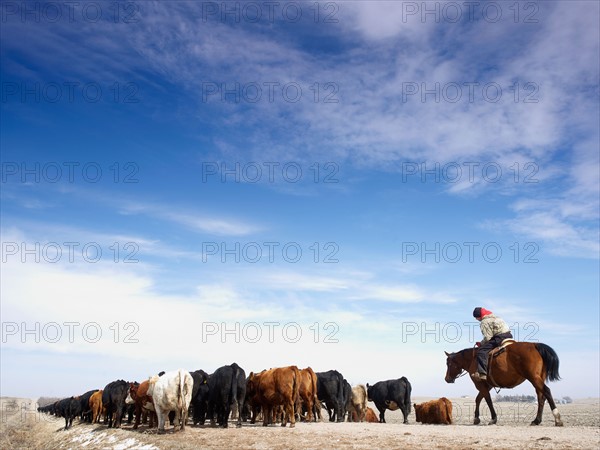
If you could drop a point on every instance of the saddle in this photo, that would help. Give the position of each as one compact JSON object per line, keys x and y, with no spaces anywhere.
{"x":495,"y":352}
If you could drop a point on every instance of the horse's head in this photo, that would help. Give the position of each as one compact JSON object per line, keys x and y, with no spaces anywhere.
{"x":454,"y":366}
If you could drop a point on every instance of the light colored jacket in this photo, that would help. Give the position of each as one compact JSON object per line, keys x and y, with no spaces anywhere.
{"x":491,"y":326}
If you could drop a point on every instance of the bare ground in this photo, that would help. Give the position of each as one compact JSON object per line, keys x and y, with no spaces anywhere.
{"x":22,"y":427}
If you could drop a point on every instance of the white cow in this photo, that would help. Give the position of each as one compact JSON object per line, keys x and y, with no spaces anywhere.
{"x":358,"y":403}
{"x":171,"y":392}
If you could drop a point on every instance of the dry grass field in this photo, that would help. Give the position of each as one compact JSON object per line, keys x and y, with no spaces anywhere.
{"x":23,"y":428}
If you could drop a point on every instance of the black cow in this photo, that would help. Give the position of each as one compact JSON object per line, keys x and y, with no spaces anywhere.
{"x":391,"y":394}
{"x":226,"y":386}
{"x":86,"y":410}
{"x":199,"y":401}
{"x":62,"y":407}
{"x":113,"y":398}
{"x":69,"y":408}
{"x":330,"y":390}
{"x":347,"y":398}
{"x":48,"y":409}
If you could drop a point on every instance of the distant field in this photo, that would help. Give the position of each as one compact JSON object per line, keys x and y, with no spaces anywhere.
{"x":21,"y":427}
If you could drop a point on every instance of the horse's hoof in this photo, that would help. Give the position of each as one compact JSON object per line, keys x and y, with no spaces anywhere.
{"x":559,"y":423}
{"x":492,"y":422}
{"x":535,"y":422}
{"x":476,"y":421}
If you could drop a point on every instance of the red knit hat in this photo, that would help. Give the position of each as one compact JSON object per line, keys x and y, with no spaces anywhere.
{"x":480,"y":313}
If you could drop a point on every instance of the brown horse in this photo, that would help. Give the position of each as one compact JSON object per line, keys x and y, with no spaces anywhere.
{"x":518,"y":362}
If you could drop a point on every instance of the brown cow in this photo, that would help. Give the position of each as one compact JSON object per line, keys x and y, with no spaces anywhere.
{"x":308,"y":392}
{"x":138,"y":396}
{"x":96,"y":405}
{"x":371,"y":416}
{"x":435,"y":411}
{"x":272,"y":388}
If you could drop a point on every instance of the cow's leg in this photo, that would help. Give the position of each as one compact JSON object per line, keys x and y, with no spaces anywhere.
{"x":290,"y":408}
{"x":162,"y":418}
{"x":176,"y":420}
{"x":226,"y":412}
{"x":309,"y":409}
{"x":381,"y":409}
{"x":138,"y":415}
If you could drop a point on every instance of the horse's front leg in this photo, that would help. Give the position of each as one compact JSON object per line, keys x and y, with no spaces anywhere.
{"x":476,"y":421}
{"x":488,"y":400}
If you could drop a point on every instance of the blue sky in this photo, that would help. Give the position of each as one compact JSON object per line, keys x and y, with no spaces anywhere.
{"x":373,"y":173}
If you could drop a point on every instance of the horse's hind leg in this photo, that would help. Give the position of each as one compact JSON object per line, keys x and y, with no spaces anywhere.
{"x":548,"y":394}
{"x":543,"y":392}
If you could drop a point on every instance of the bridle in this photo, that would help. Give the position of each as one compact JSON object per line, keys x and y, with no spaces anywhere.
{"x":462,"y":373}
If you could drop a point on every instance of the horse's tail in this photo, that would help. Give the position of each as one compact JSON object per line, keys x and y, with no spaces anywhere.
{"x":551,"y":361}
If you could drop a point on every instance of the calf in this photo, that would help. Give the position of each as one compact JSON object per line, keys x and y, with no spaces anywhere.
{"x":434,"y":412}
{"x":113,"y":398}
{"x":171,"y":392}
{"x":138,"y":396}
{"x":199,"y":400}
{"x":391,"y":394}
{"x":370,"y":416}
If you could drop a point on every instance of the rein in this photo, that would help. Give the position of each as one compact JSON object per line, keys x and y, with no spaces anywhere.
{"x":462,"y":373}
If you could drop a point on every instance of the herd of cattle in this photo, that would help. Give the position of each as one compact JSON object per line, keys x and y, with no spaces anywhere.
{"x":284,"y":394}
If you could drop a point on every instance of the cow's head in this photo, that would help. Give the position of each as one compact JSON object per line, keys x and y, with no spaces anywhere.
{"x":417,"y":412}
{"x":132,"y":393}
{"x":369,"y":390}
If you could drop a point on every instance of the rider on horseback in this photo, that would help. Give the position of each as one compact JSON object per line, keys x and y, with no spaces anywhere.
{"x":494,"y":331}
